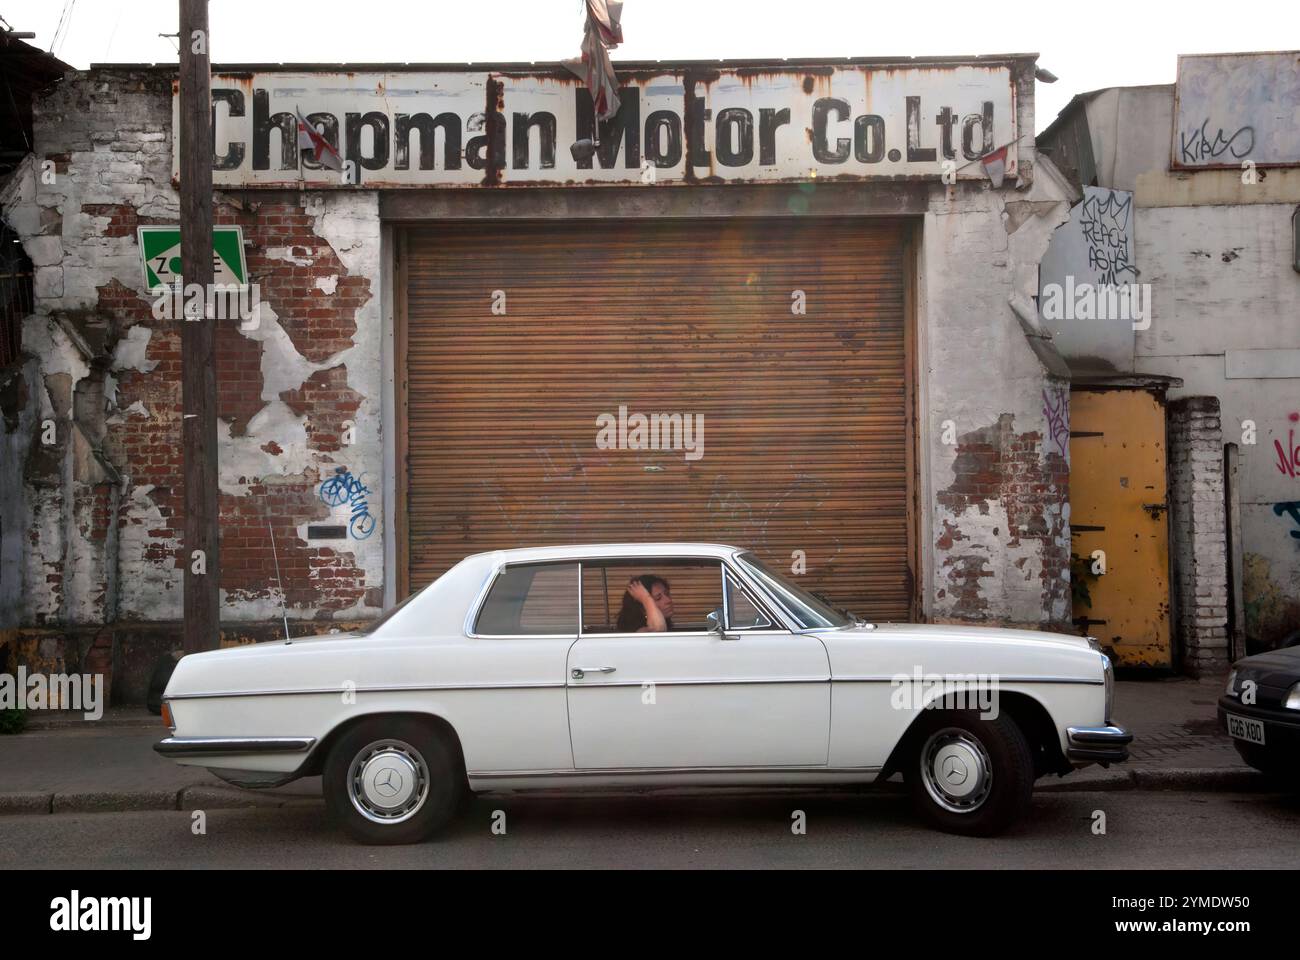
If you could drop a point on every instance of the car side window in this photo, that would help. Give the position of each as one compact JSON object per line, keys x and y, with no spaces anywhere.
{"x":531,"y":599}
{"x":742,"y":614}
{"x":685,"y":591}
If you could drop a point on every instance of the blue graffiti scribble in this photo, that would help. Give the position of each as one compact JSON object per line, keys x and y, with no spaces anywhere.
{"x":1291,"y":508}
{"x":343,"y":488}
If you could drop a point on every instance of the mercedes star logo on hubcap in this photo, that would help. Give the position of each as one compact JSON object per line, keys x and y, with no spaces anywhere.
{"x":954,"y":771}
{"x":388,"y":783}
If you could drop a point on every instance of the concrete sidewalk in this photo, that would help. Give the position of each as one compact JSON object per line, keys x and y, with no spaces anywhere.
{"x":61,"y":765}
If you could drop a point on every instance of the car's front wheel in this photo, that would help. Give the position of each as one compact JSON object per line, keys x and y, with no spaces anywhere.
{"x":970,"y":775}
{"x":392,"y":780}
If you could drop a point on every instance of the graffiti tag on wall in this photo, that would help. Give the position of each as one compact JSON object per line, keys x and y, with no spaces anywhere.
{"x":345,"y":488}
{"x":1291,"y":507}
{"x":1288,"y":457}
{"x":1056,"y":408}
{"x":1104,"y":222}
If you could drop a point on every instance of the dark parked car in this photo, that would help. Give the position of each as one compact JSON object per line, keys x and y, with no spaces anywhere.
{"x":1260,"y":710}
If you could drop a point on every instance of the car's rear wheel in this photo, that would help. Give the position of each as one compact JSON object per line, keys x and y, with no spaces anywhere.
{"x":969,"y":775}
{"x":392,"y":780}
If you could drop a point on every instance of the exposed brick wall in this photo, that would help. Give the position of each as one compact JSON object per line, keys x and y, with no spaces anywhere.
{"x":1199,"y":533}
{"x":290,"y":384}
{"x":999,"y":468}
{"x":122,"y":218}
{"x":316,"y":580}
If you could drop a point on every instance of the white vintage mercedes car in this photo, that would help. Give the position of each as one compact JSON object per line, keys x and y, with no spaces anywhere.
{"x":614,"y":666}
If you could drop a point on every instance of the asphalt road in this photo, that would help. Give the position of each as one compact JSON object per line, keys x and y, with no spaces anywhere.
{"x":872,"y":830}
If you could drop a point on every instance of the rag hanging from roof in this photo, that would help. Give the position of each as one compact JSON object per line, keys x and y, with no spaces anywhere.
{"x":602,"y":34}
{"x":995,"y":165}
{"x":309,"y":138}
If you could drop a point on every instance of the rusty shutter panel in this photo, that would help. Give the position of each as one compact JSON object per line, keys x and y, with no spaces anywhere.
{"x":805,"y":439}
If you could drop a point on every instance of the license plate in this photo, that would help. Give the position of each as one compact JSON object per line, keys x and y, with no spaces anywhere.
{"x":1245,"y":729}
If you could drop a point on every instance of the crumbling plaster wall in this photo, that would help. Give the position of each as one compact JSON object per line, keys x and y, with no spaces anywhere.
{"x":96,"y":523}
{"x":995,"y":423}
{"x":1226,"y":321}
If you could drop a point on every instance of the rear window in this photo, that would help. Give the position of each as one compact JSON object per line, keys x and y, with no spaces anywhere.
{"x":531,"y":599}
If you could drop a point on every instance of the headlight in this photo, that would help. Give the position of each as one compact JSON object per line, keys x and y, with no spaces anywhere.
{"x":1293,"y":698}
{"x":1232,"y":684}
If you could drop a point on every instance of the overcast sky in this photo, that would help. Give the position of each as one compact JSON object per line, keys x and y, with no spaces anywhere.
{"x":1102,"y":43}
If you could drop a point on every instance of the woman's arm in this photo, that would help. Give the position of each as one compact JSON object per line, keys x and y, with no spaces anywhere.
{"x":654,"y":618}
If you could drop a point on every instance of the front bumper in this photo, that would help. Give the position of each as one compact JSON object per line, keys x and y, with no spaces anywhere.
{"x":1108,"y":744}
{"x":1281,"y":726}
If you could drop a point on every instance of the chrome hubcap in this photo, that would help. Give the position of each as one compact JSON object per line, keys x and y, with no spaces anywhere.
{"x":388,"y":781}
{"x":956,"y":770}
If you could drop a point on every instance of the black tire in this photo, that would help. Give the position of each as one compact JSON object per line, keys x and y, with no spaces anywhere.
{"x":961,"y":742}
{"x":420,"y":766}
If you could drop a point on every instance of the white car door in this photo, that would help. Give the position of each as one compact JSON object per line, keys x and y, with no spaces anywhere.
{"x":752,"y":695}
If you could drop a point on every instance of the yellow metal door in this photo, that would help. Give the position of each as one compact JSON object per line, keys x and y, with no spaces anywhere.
{"x":1119,"y":522}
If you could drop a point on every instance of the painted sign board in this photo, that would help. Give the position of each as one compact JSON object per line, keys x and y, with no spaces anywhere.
{"x":676,"y":125}
{"x":160,"y":255}
{"x":1235,"y":108}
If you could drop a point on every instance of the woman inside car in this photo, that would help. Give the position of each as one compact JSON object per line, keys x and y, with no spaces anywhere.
{"x":647,"y":606}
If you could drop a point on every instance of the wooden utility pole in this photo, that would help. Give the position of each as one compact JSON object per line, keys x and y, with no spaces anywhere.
{"x":198,"y":336}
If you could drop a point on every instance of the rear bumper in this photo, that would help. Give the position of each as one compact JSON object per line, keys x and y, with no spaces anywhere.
{"x":190,"y":747}
{"x":1106,"y":744}
{"x":225,"y":757}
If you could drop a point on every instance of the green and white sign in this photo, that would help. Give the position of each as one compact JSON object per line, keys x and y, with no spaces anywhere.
{"x":160,"y":251}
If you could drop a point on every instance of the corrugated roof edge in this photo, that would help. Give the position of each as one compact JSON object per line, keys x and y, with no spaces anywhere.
{"x":634,"y":65}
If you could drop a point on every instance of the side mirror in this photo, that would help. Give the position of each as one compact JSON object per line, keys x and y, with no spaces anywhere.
{"x":715,"y":625}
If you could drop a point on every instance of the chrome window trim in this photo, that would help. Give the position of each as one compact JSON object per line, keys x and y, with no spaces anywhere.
{"x":727,"y":576}
{"x":782,"y":620}
{"x":776,"y":627}
{"x":774,"y":603}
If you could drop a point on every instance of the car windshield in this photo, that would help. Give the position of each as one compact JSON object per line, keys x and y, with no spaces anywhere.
{"x":802,"y":605}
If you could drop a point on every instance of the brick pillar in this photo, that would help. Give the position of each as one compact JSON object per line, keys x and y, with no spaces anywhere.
{"x":1198,"y":527}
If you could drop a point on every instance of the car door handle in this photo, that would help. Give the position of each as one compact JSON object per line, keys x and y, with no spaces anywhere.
{"x":580,"y":672}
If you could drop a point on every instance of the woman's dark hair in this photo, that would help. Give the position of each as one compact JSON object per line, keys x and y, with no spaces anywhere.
{"x":631,"y":616}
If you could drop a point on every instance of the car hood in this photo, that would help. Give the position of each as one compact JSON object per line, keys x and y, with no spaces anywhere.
{"x":1283,"y":662}
{"x":941,"y":631}
{"x":903,"y":649}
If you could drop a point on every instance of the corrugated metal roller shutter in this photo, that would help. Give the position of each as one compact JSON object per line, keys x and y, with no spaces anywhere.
{"x":805,"y":445}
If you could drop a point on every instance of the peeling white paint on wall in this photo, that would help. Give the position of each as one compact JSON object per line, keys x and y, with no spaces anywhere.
{"x":974,"y":255}
{"x":150,"y":590}
{"x":44,"y":338}
{"x":243,"y":459}
{"x":350,"y":223}
{"x":131,"y":350}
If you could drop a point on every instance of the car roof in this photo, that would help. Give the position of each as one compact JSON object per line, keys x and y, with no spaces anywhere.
{"x":562,"y":552}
